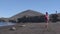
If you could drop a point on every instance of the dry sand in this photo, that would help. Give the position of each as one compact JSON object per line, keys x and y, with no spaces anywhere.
{"x":32,"y":28}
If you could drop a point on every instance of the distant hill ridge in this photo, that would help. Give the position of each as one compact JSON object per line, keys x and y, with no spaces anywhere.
{"x":26,"y":13}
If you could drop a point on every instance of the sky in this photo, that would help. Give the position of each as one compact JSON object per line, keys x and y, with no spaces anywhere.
{"x":9,"y":8}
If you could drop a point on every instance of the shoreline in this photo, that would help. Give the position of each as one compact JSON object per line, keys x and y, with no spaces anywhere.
{"x":31,"y":28}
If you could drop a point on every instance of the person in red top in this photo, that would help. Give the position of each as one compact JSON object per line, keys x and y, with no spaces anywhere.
{"x":47,"y":19}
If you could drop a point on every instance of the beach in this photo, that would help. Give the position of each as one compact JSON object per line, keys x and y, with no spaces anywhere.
{"x":32,"y":28}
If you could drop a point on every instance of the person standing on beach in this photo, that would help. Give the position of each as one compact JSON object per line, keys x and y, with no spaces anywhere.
{"x":46,"y":19}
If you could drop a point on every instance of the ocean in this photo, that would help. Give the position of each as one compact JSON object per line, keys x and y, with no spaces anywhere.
{"x":6,"y":23}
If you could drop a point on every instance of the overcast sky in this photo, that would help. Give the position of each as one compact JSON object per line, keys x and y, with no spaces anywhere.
{"x":9,"y":8}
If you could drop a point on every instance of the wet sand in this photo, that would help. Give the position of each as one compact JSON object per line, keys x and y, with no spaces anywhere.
{"x":32,"y":28}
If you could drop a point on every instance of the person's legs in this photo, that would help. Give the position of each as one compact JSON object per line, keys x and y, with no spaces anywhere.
{"x":46,"y":25}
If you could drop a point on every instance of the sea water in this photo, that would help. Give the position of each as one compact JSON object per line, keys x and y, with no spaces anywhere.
{"x":6,"y":23}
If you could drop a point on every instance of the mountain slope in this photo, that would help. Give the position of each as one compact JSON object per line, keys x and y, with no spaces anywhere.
{"x":26,"y":13}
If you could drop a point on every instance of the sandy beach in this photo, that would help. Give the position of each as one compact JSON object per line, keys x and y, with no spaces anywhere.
{"x":32,"y":28}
